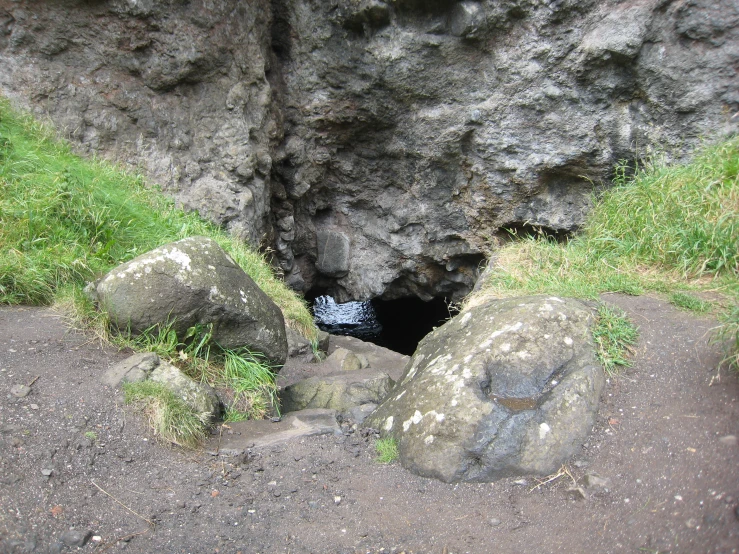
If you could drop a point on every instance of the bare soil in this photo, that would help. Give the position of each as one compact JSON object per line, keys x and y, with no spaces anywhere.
{"x":73,"y":458}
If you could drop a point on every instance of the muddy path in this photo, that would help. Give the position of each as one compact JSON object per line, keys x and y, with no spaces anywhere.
{"x":659,"y":473}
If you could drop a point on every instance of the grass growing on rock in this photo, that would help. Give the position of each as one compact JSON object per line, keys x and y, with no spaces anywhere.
{"x":667,"y":228}
{"x":65,"y":220}
{"x":171,"y":419}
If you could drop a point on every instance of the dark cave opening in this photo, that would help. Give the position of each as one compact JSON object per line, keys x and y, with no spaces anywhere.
{"x":398,"y":325}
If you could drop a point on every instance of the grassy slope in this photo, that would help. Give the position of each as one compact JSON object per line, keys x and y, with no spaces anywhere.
{"x":669,"y":228}
{"x":65,"y":220}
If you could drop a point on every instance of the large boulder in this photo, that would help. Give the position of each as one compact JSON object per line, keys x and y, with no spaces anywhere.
{"x":189,"y":282}
{"x":509,"y":387}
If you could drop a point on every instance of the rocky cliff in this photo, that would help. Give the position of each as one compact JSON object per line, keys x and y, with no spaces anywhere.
{"x":378,"y":146}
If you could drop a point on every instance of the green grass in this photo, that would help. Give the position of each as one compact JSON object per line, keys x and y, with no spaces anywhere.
{"x":387,"y":450}
{"x":665,"y":229}
{"x":171,"y":419}
{"x":690,"y":302}
{"x":614,"y":335}
{"x":65,"y":221}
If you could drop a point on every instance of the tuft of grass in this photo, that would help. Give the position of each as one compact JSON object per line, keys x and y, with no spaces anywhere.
{"x":66,"y":221}
{"x":171,"y":419}
{"x":387,"y":450}
{"x":252,"y":380}
{"x":727,"y":335}
{"x":614,"y":336}
{"x":690,"y":302}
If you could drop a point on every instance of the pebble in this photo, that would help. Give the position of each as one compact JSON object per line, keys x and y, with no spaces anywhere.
{"x":495,"y":522}
{"x":73,"y":538}
{"x":47,"y":472}
{"x":20,"y":391}
{"x":337,"y":500}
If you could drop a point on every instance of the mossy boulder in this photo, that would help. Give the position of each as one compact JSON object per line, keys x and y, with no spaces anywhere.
{"x":189,"y":282}
{"x":510,"y":387}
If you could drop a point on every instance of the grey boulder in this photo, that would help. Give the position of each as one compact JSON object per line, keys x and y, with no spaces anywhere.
{"x":189,"y":282}
{"x":509,"y":387}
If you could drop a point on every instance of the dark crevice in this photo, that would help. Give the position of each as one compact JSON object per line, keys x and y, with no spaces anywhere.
{"x":398,"y":325}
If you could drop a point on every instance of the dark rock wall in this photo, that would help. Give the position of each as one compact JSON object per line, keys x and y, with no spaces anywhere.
{"x":176,"y":88}
{"x":419,"y":129}
{"x":378,"y":146}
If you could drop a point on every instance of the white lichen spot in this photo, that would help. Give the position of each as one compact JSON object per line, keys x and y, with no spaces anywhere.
{"x":467,"y":358}
{"x":562,"y":317}
{"x":454,"y":402}
{"x":506,"y":347}
{"x":400,"y":395}
{"x":506,"y":329}
{"x":544,"y":430}
{"x":568,"y":341}
{"x":523,"y":354}
{"x":388,"y":424}
{"x":406,"y":425}
{"x":465,"y":320}
{"x":243,"y":296}
{"x":546,"y":308}
{"x":547,"y":336}
{"x":466,"y":373}
{"x":440,"y":417}
{"x":429,"y":439}
{"x":180,"y":258}
{"x":417,"y":417}
{"x":555,"y":299}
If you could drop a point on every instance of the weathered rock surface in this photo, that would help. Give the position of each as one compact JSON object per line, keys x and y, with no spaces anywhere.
{"x":177,"y":88}
{"x":189,"y":282}
{"x":341,"y":392}
{"x":245,"y":435}
{"x":199,"y":396}
{"x":144,"y":366}
{"x":133,"y":369}
{"x":377,"y":145}
{"x":420,"y":129}
{"x":506,"y":388}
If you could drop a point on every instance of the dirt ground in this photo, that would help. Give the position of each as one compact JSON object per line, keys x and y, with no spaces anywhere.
{"x":77,"y":467}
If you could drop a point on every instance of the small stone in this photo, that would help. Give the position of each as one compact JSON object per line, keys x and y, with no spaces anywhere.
{"x":593,"y":480}
{"x":728,"y":440}
{"x":276,"y":493}
{"x":73,"y":538}
{"x":20,"y":391}
{"x":495,"y":522}
{"x":337,"y":500}
{"x":47,"y":472}
{"x":34,"y":406}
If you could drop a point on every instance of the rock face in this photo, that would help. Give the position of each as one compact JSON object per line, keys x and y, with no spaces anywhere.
{"x":507,"y":388}
{"x":178,"y":88}
{"x":189,"y":282}
{"x":378,"y":145}
{"x":420,"y":129}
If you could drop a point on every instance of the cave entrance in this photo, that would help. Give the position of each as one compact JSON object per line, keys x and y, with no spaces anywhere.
{"x":398,"y":325}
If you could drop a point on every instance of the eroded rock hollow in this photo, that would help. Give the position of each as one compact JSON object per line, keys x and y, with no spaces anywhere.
{"x":378,"y":146}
